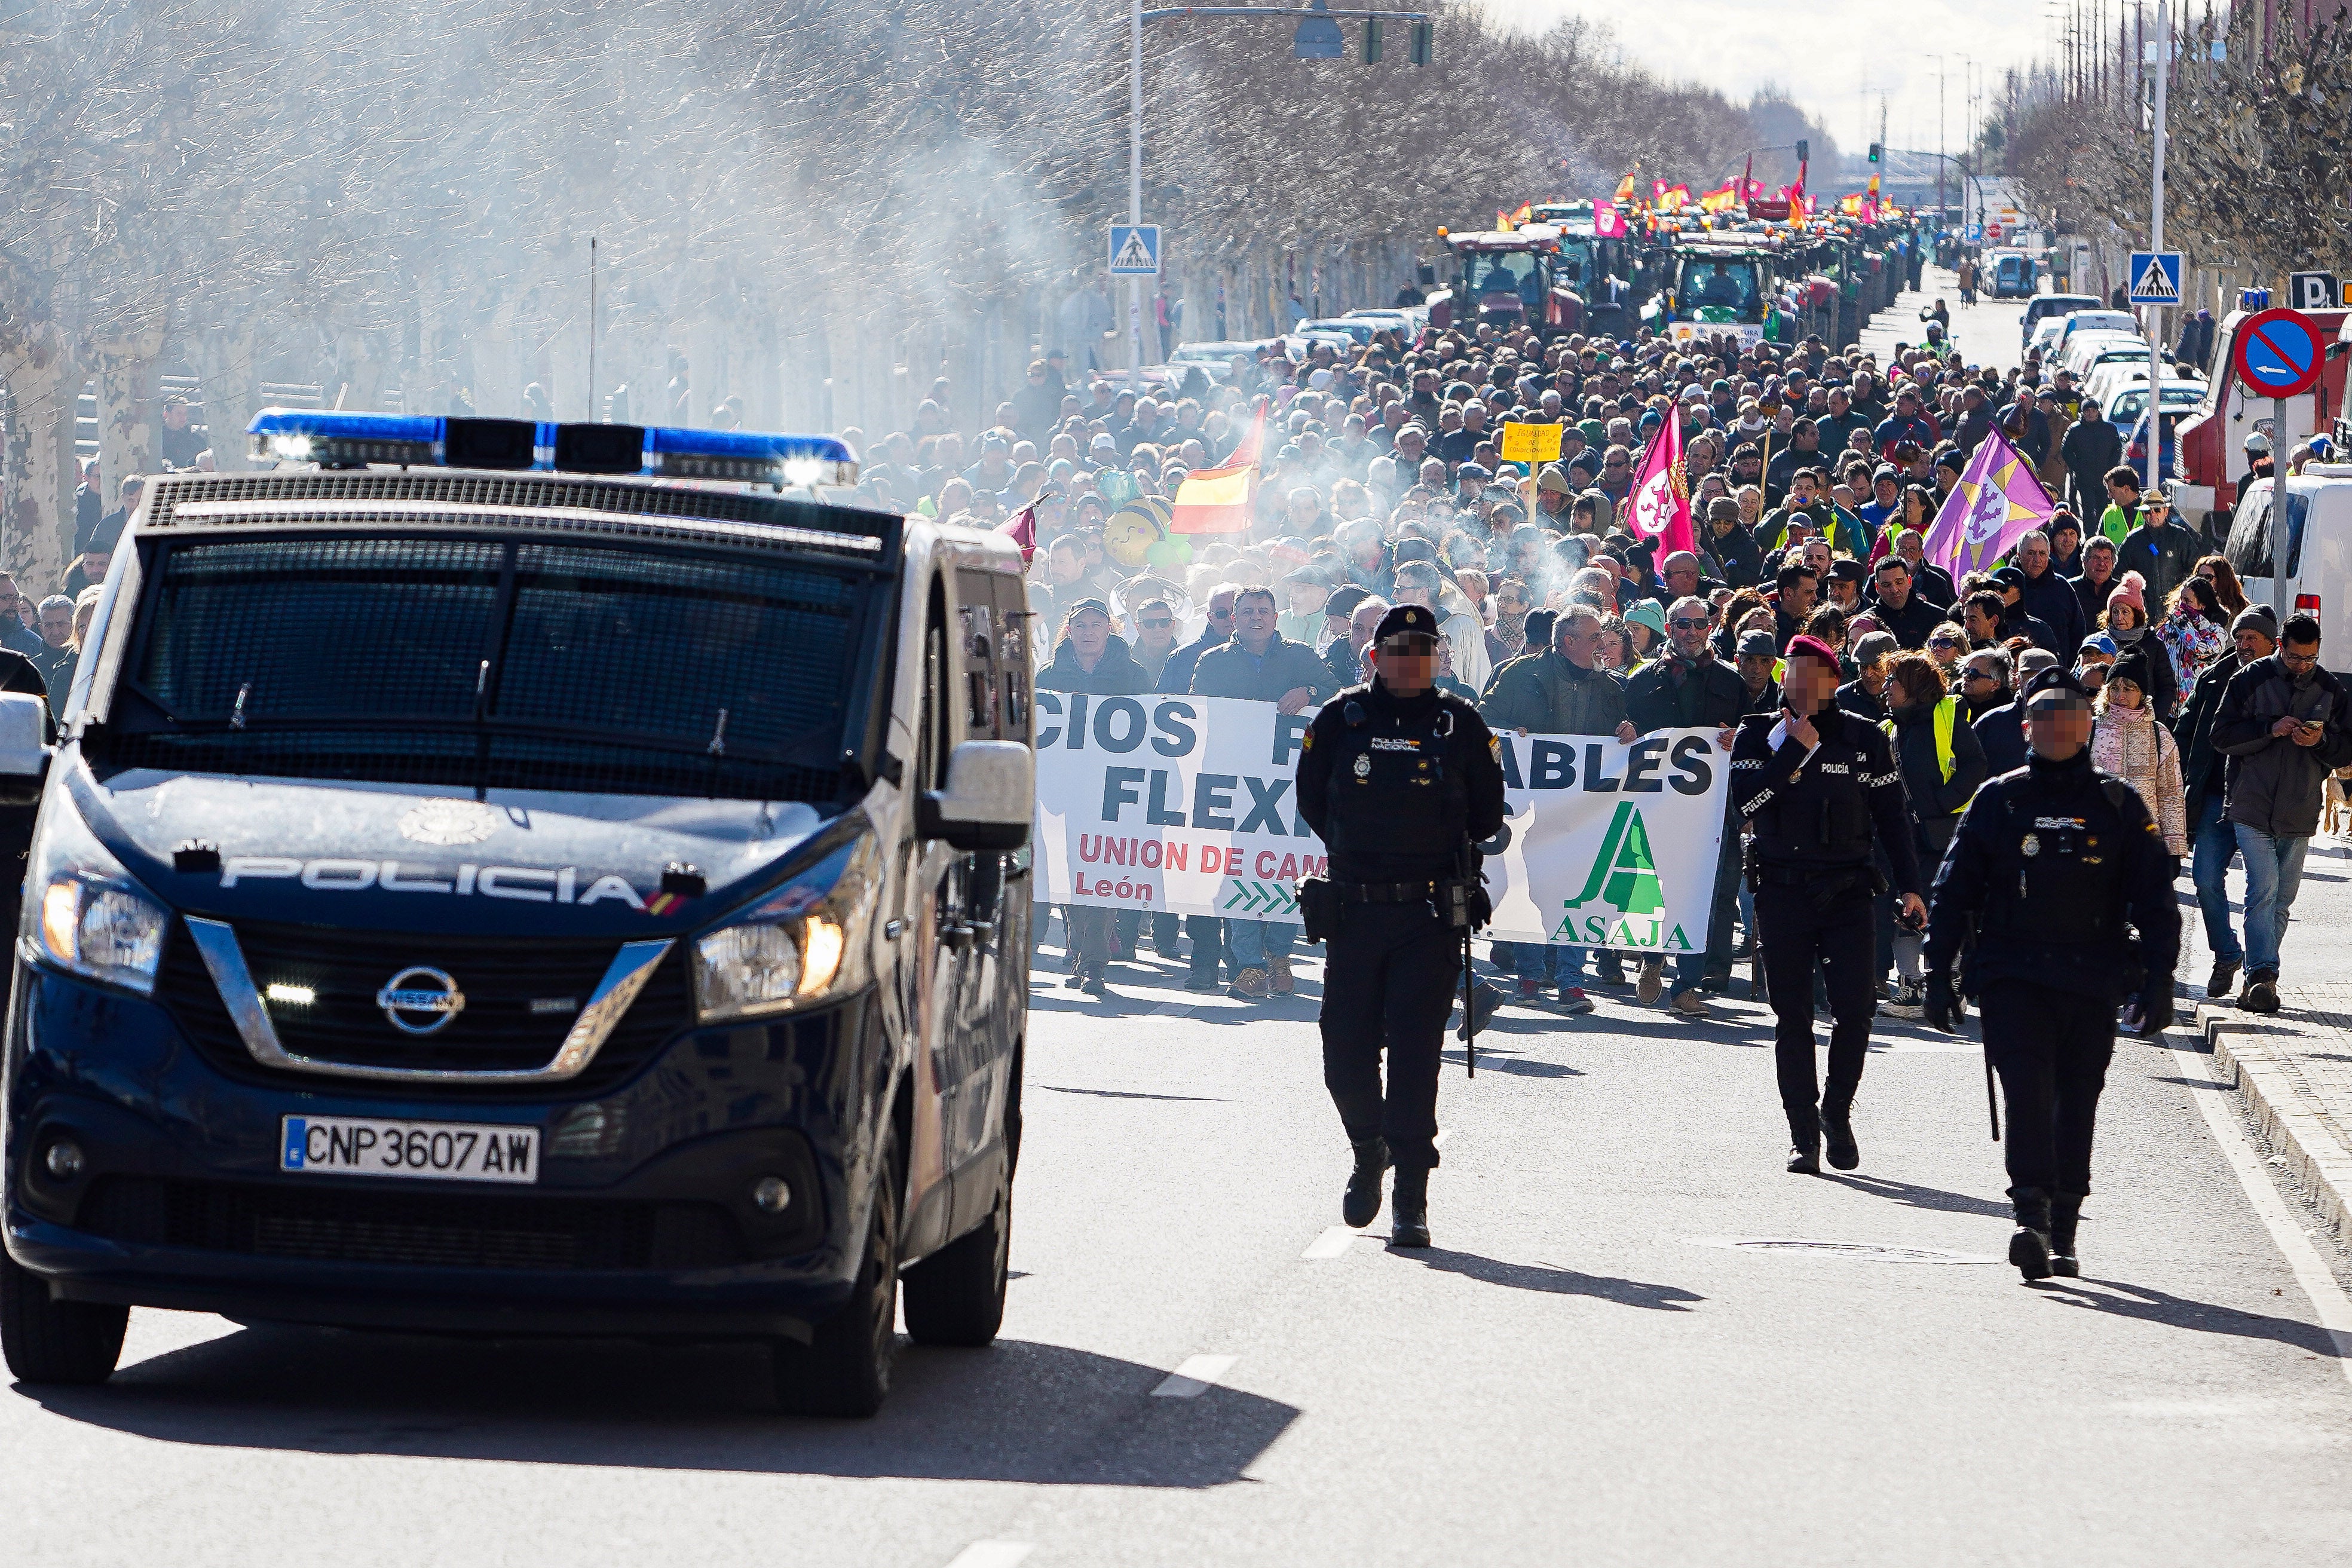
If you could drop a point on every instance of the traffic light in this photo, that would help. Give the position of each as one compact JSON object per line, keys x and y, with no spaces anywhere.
{"x":1371,"y":40}
{"x":1877,"y":148}
{"x":1804,"y":151}
{"x":1424,"y":34}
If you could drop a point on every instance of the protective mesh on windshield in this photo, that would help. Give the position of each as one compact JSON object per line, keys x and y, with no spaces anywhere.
{"x":622,"y":670}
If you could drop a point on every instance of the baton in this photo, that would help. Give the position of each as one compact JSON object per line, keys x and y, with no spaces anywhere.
{"x":1992,"y":1101}
{"x":1469,"y":1011}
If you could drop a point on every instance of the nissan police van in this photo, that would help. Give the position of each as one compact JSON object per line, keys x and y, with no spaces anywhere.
{"x":517,"y":879}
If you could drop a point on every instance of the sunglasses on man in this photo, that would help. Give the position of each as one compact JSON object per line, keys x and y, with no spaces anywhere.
{"x":1690,"y":624}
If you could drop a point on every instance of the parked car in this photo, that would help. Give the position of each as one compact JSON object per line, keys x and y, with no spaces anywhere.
{"x":2049,"y":307}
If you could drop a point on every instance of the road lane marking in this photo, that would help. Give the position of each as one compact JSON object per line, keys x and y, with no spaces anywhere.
{"x":1442,"y":1134}
{"x":2311,"y":1271}
{"x":1171,"y":1010}
{"x":1195,"y":1377}
{"x":993,"y":1555}
{"x":1332,"y":1242}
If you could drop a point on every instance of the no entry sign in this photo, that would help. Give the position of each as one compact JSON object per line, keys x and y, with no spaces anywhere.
{"x":2279,"y":353}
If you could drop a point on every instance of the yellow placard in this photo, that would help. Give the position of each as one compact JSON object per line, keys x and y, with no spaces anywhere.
{"x":1524,"y":443}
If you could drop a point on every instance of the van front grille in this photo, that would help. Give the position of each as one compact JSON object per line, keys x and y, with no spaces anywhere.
{"x":521,"y":996}
{"x":437,"y":1230}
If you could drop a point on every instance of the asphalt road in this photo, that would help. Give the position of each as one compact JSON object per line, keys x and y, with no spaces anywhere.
{"x":1635,"y":1340}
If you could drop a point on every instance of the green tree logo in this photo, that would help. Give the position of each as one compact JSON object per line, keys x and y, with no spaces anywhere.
{"x":1624,"y":877}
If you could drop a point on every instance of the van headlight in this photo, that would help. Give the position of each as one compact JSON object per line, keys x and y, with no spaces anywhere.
{"x":803,"y":944}
{"x":82,"y":911}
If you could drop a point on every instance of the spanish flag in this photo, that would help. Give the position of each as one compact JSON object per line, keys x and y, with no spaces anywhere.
{"x":1625,"y":188}
{"x":1218,"y":500}
{"x":1722,"y":199}
{"x":1673,"y":198}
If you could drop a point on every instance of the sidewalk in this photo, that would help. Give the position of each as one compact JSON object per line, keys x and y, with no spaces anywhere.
{"x":2294,"y":1067}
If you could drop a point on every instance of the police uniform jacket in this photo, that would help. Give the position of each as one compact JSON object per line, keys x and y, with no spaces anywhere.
{"x":1391,"y":784}
{"x":2058,"y":859}
{"x":1820,"y":811}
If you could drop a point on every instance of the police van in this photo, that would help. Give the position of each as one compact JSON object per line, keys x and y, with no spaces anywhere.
{"x":526,"y":879}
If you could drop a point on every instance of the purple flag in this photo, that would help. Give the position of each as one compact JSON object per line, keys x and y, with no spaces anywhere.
{"x":1998,"y":501}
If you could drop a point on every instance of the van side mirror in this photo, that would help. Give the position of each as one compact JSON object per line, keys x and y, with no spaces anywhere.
{"x":24,"y":750}
{"x":991,"y":797}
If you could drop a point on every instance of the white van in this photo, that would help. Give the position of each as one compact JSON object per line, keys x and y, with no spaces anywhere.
{"x":2318,"y":553}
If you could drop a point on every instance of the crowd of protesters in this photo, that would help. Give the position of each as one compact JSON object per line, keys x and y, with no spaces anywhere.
{"x":1814,"y":477}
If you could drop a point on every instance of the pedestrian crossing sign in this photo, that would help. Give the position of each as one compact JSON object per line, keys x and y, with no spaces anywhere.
{"x":1135,"y":250}
{"x":2155,"y":277}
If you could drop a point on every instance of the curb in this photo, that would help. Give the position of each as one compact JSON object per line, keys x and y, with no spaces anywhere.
{"x":2299,"y":1136}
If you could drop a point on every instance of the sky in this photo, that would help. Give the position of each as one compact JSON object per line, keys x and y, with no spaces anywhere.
{"x":1833,"y":56}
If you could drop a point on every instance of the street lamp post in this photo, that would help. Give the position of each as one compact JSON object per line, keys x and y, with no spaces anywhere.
{"x":1318,"y":38}
{"x":2156,"y":243}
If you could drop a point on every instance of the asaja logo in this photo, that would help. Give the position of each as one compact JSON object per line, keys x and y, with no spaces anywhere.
{"x":1624,"y":877}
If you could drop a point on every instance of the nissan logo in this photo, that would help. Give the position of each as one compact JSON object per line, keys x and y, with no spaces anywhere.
{"x":421,"y":989}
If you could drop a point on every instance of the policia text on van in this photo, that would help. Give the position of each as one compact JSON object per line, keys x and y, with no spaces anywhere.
{"x":527,"y":878}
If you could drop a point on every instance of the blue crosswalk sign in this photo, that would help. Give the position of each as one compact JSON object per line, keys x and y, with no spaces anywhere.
{"x":1135,"y":250}
{"x":2155,"y":277}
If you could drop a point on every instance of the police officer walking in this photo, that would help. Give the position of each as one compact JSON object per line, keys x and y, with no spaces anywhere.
{"x":1398,"y":779}
{"x":1817,"y":788}
{"x":2056,"y":861}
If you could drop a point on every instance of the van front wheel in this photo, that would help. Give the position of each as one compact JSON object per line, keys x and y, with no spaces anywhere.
{"x":49,"y":1340}
{"x":956,"y":1296}
{"x":844,"y":1369}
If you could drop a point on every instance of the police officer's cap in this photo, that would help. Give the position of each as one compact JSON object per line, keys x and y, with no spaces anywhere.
{"x":2058,"y":680}
{"x":1408,"y":621}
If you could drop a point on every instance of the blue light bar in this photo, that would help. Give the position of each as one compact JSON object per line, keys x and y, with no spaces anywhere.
{"x":356,"y":440}
{"x":301,"y":436}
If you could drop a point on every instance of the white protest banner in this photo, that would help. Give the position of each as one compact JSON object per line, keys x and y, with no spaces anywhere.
{"x":1189,"y":804}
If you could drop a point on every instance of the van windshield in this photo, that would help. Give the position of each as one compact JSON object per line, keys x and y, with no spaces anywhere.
{"x":492,"y":663}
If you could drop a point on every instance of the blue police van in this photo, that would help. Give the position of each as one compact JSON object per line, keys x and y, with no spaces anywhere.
{"x":505,"y":878}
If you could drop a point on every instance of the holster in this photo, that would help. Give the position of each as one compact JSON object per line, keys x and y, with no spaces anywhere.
{"x":1318,"y":906}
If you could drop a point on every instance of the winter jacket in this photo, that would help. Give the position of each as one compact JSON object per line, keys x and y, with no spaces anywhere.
{"x":2052,"y":597}
{"x":2162,"y":555}
{"x":1910,"y":625}
{"x":1736,"y":556}
{"x":1710,"y":693}
{"x":1857,"y":700}
{"x":1116,"y":674}
{"x":1936,"y":801}
{"x":2093,"y":596}
{"x":2202,"y":768}
{"x":2091,"y":448}
{"x":2192,"y":643}
{"x":1176,"y":674}
{"x":1547,"y":694}
{"x":2000,"y":735}
{"x":1234,"y":672}
{"x":2130,"y":743}
{"x":2275,"y":785}
{"x":2163,"y":690}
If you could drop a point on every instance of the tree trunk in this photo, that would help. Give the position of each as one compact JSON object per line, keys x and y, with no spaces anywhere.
{"x":43,"y":386}
{"x":225,"y":361}
{"x":128,"y":424}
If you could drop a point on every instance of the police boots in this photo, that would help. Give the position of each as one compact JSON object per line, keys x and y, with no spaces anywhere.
{"x":1408,"y":1208}
{"x":1837,"y":1132}
{"x":2065,"y":1213}
{"x":2029,"y":1247}
{"x":1804,"y":1146}
{"x":1362,"y":1200}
